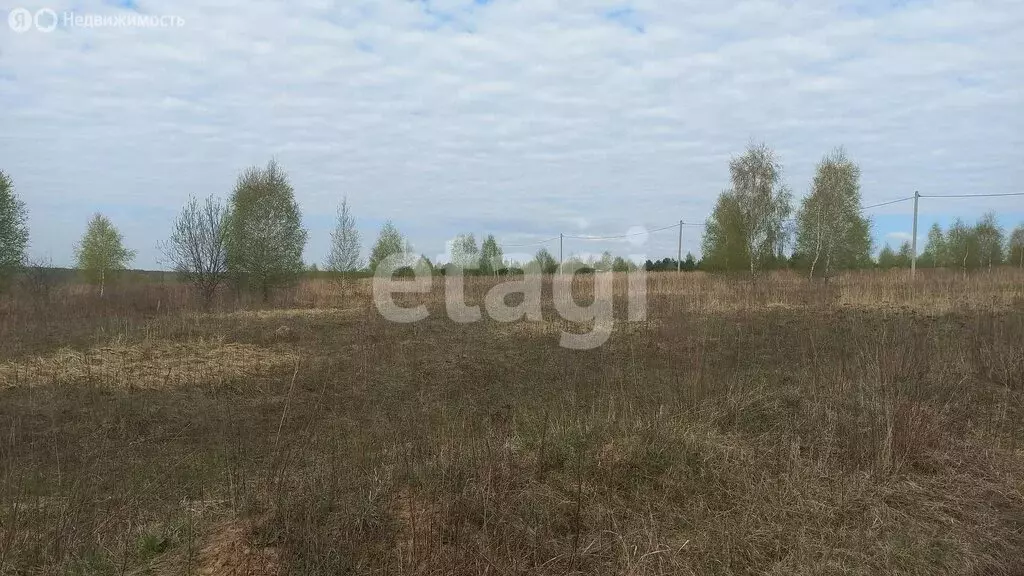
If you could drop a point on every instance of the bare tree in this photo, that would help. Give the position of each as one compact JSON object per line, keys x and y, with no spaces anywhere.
{"x":38,"y":280}
{"x":196,"y":248}
{"x":345,"y":247}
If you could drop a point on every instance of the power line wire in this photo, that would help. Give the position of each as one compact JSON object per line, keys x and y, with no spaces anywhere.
{"x":529,"y":243}
{"x":788,"y":220}
{"x":623,"y":235}
{"x":972,"y":195}
{"x":887,"y":203}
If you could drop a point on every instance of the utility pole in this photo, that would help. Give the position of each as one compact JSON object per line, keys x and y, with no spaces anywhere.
{"x":913,"y":240}
{"x":679,"y":249}
{"x":560,"y":238}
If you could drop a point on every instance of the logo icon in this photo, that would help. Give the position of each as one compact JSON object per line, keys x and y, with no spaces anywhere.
{"x":46,"y":27}
{"x":20,"y":20}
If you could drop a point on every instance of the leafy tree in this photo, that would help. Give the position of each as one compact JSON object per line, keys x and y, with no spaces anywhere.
{"x":934,"y":254}
{"x":801,"y":260}
{"x":264,"y":233}
{"x":13,"y":230}
{"x":621,"y":264}
{"x":491,"y":256}
{"x":577,"y":264}
{"x":989,"y":237}
{"x":724,"y":243}
{"x":605,"y":263}
{"x":1015,"y":246}
{"x":906,"y":255}
{"x":545,"y":261}
{"x":688,"y":264}
{"x":762,"y":202}
{"x":831,"y":233}
{"x":962,"y":246}
{"x":659,"y":265}
{"x":464,"y":252}
{"x":887,"y":258}
{"x":197,"y":249}
{"x":424,"y":263}
{"x":101,"y":251}
{"x":389,"y":242}
{"x":345,"y":247}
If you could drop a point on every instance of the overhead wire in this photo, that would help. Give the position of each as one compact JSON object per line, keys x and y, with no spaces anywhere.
{"x":788,"y":220}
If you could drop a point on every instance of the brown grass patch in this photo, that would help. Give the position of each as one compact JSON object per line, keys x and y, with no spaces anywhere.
{"x":293,"y":313}
{"x":152,"y":364}
{"x":229,"y":552}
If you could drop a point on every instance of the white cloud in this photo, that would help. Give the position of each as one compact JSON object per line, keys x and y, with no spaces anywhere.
{"x":519,"y":118}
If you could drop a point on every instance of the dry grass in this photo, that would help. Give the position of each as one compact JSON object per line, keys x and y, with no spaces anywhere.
{"x":863,"y":427}
{"x":228,"y":552}
{"x":151,"y":364}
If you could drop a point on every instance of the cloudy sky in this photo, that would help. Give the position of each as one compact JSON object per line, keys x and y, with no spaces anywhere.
{"x":522,"y":118}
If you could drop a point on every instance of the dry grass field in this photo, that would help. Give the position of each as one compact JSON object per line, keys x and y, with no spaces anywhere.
{"x":868,"y":426}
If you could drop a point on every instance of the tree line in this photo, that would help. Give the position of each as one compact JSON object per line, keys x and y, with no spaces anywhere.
{"x":255,"y":239}
{"x":984,"y":245}
{"x":750,"y":227}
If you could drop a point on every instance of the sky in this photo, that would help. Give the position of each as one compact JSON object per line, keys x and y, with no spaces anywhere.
{"x":518,"y":118}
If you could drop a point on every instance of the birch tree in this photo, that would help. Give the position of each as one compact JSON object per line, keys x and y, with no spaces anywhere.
{"x":345,"y":246}
{"x":934,"y":254}
{"x":389,"y":242}
{"x":264,"y":233}
{"x":1015,"y":247}
{"x":491,"y":256}
{"x":13,"y":230}
{"x":724,"y":243}
{"x":464,"y":252}
{"x":545,"y":262}
{"x":831,"y":232}
{"x":763,"y":202}
{"x":101,"y":251}
{"x":962,"y":246}
{"x":989,"y":236}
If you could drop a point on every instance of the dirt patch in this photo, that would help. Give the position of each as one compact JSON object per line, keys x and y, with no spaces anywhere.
{"x":153,"y":364}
